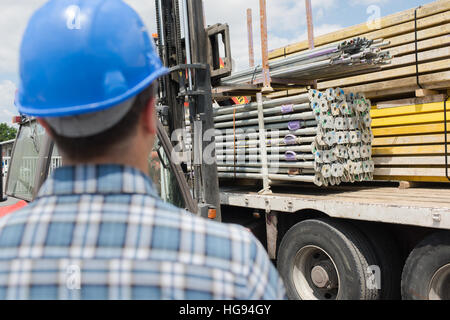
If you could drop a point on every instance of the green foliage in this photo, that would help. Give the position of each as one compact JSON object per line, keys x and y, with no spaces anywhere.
{"x":7,"y":132}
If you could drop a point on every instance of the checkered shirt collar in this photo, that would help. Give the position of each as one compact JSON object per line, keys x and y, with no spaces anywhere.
{"x":97,"y":179}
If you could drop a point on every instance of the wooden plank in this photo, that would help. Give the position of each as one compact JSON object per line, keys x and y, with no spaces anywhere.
{"x":408,"y":102}
{"x":391,"y":197}
{"x":361,"y":29}
{"x":406,"y":184}
{"x":404,"y":85}
{"x":422,"y":45}
{"x":430,"y":172}
{"x":442,"y":29}
{"x":386,"y":88}
{"x":425,"y":92}
{"x":410,"y":119}
{"x":398,"y":161}
{"x":411,"y":109}
{"x":408,"y":150}
{"x":403,"y":44}
{"x":410,"y":178}
{"x":424,"y":56}
{"x":408,"y":140}
{"x":387,"y":74}
{"x":412,"y":129}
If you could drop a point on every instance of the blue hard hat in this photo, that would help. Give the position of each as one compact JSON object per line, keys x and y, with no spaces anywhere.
{"x":83,"y":56}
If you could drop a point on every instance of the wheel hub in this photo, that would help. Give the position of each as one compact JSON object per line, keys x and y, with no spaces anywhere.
{"x":315,"y":275}
{"x":323,"y":275}
{"x":439,"y":288}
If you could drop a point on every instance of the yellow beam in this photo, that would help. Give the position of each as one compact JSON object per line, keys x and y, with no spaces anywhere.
{"x":405,"y":140}
{"x":412,"y":129}
{"x":421,"y":118}
{"x":407,"y":110}
{"x":408,"y":150}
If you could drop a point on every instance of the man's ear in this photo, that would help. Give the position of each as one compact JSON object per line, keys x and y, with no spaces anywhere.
{"x":46,"y":126}
{"x":149,"y":117}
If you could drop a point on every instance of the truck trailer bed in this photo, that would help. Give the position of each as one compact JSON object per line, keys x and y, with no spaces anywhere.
{"x":426,"y":207}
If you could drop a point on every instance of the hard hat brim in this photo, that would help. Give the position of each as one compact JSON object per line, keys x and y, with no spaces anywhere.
{"x":66,"y":111}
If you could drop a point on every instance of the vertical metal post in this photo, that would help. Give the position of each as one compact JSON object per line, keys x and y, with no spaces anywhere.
{"x":264,"y":47}
{"x":310,"y":24}
{"x":187,"y":41}
{"x":203,"y":103}
{"x":262,"y":145}
{"x":251,"y":54}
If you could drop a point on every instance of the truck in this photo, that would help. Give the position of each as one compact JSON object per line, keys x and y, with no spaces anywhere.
{"x":365,"y":241}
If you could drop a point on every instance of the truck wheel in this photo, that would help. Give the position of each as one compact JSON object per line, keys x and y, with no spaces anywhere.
{"x":323,"y":259}
{"x":388,"y":254}
{"x":426,"y":275}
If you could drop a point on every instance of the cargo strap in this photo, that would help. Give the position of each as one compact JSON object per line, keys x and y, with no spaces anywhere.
{"x":415,"y":43}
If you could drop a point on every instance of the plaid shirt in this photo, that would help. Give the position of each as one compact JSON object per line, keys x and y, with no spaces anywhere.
{"x":102,"y":232}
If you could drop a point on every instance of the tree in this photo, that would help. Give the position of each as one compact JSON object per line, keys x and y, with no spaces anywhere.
{"x":7,"y":132}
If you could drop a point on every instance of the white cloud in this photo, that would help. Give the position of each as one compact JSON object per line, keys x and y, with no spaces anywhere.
{"x":285,"y":19}
{"x":7,"y":94}
{"x":286,"y":23}
{"x":15,"y":15}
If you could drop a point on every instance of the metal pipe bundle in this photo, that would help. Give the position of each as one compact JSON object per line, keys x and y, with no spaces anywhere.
{"x":342,"y":147}
{"x":344,"y":58}
{"x":328,"y":144}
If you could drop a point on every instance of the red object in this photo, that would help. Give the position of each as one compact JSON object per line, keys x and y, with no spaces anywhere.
{"x":240,"y":100}
{"x":17,"y":119}
{"x":9,"y":209}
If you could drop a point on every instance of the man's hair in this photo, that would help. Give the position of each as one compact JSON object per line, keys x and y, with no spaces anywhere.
{"x":87,"y":148}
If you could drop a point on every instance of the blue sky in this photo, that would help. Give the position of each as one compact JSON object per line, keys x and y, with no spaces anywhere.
{"x":286,"y":25}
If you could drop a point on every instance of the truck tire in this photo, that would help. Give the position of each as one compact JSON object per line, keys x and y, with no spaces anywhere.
{"x":388,"y":254}
{"x":426,"y":275}
{"x":325,"y":259}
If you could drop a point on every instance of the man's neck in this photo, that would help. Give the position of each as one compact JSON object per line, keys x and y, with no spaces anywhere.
{"x":129,"y":159}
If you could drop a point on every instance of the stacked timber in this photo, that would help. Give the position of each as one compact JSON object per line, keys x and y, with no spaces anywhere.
{"x":410,"y":131}
{"x":418,"y":40}
{"x":410,"y":141}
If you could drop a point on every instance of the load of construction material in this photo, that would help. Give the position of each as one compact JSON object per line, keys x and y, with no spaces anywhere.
{"x":355,"y":56}
{"x":417,"y":40}
{"x":409,"y":121}
{"x":410,"y":141}
{"x":319,"y":137}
